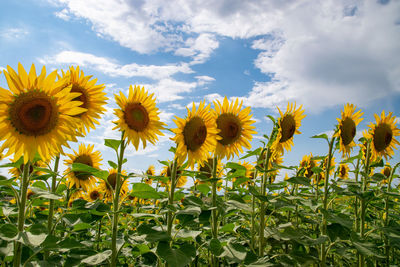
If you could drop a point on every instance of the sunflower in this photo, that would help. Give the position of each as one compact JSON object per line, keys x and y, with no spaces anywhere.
{"x":347,"y":128}
{"x":149,"y":172}
{"x":288,"y":123}
{"x":332,"y":164}
{"x":138,"y":116}
{"x":386,"y":171}
{"x":76,"y":194}
{"x":36,"y":114}
{"x":180,"y":179}
{"x":308,"y":163}
{"x":93,"y":194}
{"x":86,"y":156}
{"x":196,"y":135}
{"x":92,"y":97}
{"x":248,"y":171}
{"x":109,"y":186}
{"x":383,"y":136}
{"x":275,"y":159}
{"x":343,"y":171}
{"x":17,"y":171}
{"x":235,"y":128}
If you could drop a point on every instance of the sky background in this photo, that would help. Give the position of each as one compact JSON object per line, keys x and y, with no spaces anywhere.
{"x":319,"y":54}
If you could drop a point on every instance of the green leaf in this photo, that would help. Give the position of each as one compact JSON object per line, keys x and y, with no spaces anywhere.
{"x":377,"y":164}
{"x":192,"y":210}
{"x":378,"y":177}
{"x":235,"y":252}
{"x":98,"y":258}
{"x":112,"y":164}
{"x":185,"y":233}
{"x":82,"y":226}
{"x":43,"y":193}
{"x":321,"y":136}
{"x":142,"y":190}
{"x":70,"y":243}
{"x":215,"y":247}
{"x":299,"y":180}
{"x":203,"y":188}
{"x":174,"y":257}
{"x":235,"y":166}
{"x":237,"y":205}
{"x":228,"y":227}
{"x":8,"y":232}
{"x":152,"y":235}
{"x":252,"y":153}
{"x":114,"y":144}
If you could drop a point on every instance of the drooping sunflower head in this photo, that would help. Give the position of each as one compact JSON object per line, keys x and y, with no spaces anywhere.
{"x":196,"y":136}
{"x":347,"y":128}
{"x":149,"y":172}
{"x":386,"y":171}
{"x":17,"y":171}
{"x":138,"y":117}
{"x":92,"y":97}
{"x":249,"y":168}
{"x":308,"y":163}
{"x":288,"y":123}
{"x":166,"y":171}
{"x":86,"y":156}
{"x":235,"y":128}
{"x":343,"y":171}
{"x":383,"y":134}
{"x":108,"y":186}
{"x":332,"y":165}
{"x":207,"y":168}
{"x":36,"y":114}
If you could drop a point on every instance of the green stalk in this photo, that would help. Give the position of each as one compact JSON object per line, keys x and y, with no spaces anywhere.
{"x":253,"y":215}
{"x":356,"y":200}
{"x":325,"y":201}
{"x":21,"y":213}
{"x":386,"y":222}
{"x":171,"y":196}
{"x":214,"y":224}
{"x":363,"y":202}
{"x":116,"y":204}
{"x":51,"y":205}
{"x":263,"y":207}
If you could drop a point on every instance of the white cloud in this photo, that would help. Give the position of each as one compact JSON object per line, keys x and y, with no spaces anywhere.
{"x":63,"y":14}
{"x":170,"y":90}
{"x":202,"y":80}
{"x":199,"y":49}
{"x":326,"y":55}
{"x":112,"y":68}
{"x":13,"y":33}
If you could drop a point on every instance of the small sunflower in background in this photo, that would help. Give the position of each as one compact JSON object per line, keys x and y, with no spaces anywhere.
{"x":17,"y":171}
{"x":86,"y":156}
{"x":36,"y":114}
{"x":248,"y":171}
{"x":383,"y":134}
{"x":235,"y":128}
{"x":308,"y":163}
{"x":386,"y":171}
{"x":347,"y":128}
{"x":343,"y":171}
{"x":180,"y":179}
{"x":138,"y":117}
{"x":288,"y":123}
{"x":77,"y":193}
{"x":92,"y":96}
{"x":196,"y":136}
{"x":108,"y":187}
{"x":93,"y":194}
{"x":332,"y":164}
{"x":149,"y":172}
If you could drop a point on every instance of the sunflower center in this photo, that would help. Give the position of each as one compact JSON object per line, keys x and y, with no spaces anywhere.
{"x":386,"y":171}
{"x":94,"y":195}
{"x":195,"y":133}
{"x":347,"y":131}
{"x":112,"y":180}
{"x":342,"y":172}
{"x":288,"y":127}
{"x":136,"y":116}
{"x":83,"y":97}
{"x":206,"y":169}
{"x":382,"y":137}
{"x":83,"y":159}
{"x":230,"y":128}
{"x":33,"y":113}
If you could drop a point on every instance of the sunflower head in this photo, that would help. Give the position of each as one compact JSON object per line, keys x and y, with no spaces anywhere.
{"x":235,"y":128}
{"x":332,"y":165}
{"x":149,"y":172}
{"x":108,"y":186}
{"x":383,"y":134}
{"x":17,"y":171}
{"x":308,"y":163}
{"x":86,"y":156}
{"x":36,"y":114}
{"x":180,"y":179}
{"x":343,"y":171}
{"x":288,"y":125}
{"x":347,"y":128}
{"x":93,"y":194}
{"x":196,"y":136}
{"x":386,"y":171}
{"x":92,"y":97}
{"x":138,"y":117}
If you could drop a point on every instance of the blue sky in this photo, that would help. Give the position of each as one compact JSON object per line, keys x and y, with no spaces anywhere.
{"x":321,"y":54}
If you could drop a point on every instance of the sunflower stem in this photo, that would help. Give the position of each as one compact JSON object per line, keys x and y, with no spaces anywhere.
{"x":21,"y":213}
{"x":363,"y":202}
{"x":325,"y":201}
{"x":171,"y":195}
{"x":263,"y":207}
{"x":51,"y":204}
{"x":214,"y":224}
{"x":114,"y":250}
{"x":386,"y":222}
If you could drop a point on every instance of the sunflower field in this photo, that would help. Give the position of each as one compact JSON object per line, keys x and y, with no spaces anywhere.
{"x":336,"y":209}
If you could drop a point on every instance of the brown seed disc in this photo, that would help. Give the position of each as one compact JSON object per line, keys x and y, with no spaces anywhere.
{"x":83,"y":97}
{"x":83,"y":159}
{"x":195,"y":133}
{"x":94,"y":195}
{"x":112,"y":180}
{"x":382,"y":137}
{"x":230,"y":128}
{"x":288,"y":127}
{"x":347,"y":131}
{"x":136,"y":116}
{"x":33,"y":113}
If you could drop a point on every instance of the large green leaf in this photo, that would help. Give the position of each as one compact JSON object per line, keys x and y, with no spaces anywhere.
{"x":8,"y":232}
{"x":142,"y":190}
{"x":112,"y":143}
{"x":98,"y":258}
{"x":174,"y":257}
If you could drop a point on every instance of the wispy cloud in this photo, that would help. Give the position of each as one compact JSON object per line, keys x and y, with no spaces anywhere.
{"x":13,"y":33}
